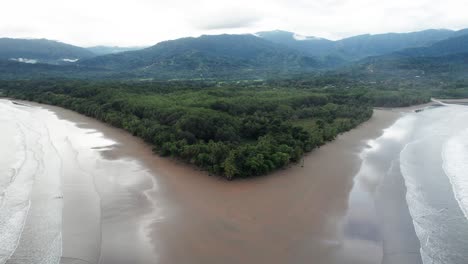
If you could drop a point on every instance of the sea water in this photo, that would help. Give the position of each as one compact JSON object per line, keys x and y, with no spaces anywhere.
{"x":23,"y":175}
{"x":455,"y":164}
{"x":429,"y":150}
{"x":434,"y":164}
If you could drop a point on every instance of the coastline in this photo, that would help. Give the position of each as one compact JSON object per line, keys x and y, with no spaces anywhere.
{"x":293,"y":215}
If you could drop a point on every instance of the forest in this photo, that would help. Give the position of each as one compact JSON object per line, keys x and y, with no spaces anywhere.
{"x":234,"y":130}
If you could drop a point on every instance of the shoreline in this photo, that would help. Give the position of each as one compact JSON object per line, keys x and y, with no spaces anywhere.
{"x":204,"y":219}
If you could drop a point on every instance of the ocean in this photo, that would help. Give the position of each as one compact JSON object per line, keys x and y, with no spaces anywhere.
{"x":429,"y":150}
{"x":25,"y":175}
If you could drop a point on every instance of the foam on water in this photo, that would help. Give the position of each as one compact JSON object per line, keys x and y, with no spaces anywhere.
{"x":431,"y":148}
{"x":15,"y":182}
{"x":455,"y":164}
{"x":23,"y":172}
{"x":434,"y":163}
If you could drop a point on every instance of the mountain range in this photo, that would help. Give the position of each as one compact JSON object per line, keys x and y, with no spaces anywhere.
{"x":207,"y":57}
{"x":447,"y":58}
{"x":358,"y":47}
{"x":249,"y":56}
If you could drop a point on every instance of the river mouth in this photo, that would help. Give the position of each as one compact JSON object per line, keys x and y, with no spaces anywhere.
{"x":116,"y":202}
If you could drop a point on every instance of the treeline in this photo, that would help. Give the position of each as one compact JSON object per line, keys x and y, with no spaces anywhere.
{"x":233,"y":130}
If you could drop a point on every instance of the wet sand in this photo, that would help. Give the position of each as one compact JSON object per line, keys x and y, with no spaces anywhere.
{"x":67,"y":202}
{"x":296,"y":215}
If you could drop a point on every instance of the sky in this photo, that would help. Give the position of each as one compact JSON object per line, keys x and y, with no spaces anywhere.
{"x":147,"y":22}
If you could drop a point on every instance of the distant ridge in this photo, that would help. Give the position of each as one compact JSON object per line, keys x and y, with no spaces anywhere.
{"x":41,"y":51}
{"x":208,"y":56}
{"x":264,"y":55}
{"x":104,"y":50}
{"x":448,"y":58}
{"x":358,"y":47}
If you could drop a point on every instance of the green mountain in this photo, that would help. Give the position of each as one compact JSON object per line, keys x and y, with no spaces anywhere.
{"x":41,"y":51}
{"x":235,"y":56}
{"x":11,"y":70}
{"x":447,"y":58}
{"x":311,"y":46}
{"x":358,"y":47}
{"x":446,"y":47}
{"x":372,"y":45}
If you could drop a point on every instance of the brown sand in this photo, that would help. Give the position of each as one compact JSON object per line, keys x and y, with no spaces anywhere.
{"x":295,"y":215}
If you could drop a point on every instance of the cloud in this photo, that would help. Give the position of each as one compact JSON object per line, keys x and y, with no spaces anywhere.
{"x":146,"y":22}
{"x":17,"y":30}
{"x":224,"y":18}
{"x":225,"y":21}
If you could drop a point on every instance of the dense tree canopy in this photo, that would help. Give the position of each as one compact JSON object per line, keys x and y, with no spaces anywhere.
{"x":232,"y":130}
{"x":236,"y":129}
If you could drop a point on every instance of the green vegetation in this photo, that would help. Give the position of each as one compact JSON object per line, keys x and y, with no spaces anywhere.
{"x":229,"y":130}
{"x":236,"y":129}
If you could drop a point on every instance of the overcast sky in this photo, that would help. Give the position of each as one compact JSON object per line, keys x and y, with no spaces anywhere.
{"x":146,"y":22}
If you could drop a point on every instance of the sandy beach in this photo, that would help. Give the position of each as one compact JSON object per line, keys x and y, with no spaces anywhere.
{"x":178,"y":214}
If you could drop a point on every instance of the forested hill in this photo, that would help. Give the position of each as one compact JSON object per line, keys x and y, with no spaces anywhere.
{"x":222,"y":56}
{"x":456,"y":45}
{"x":312,"y":46}
{"x":444,"y":60}
{"x":358,"y":47}
{"x":13,"y":70}
{"x":41,"y":51}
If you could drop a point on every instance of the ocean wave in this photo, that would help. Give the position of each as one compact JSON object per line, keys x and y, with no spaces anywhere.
{"x":434,"y":163}
{"x":455,"y":165}
{"x":425,"y":216}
